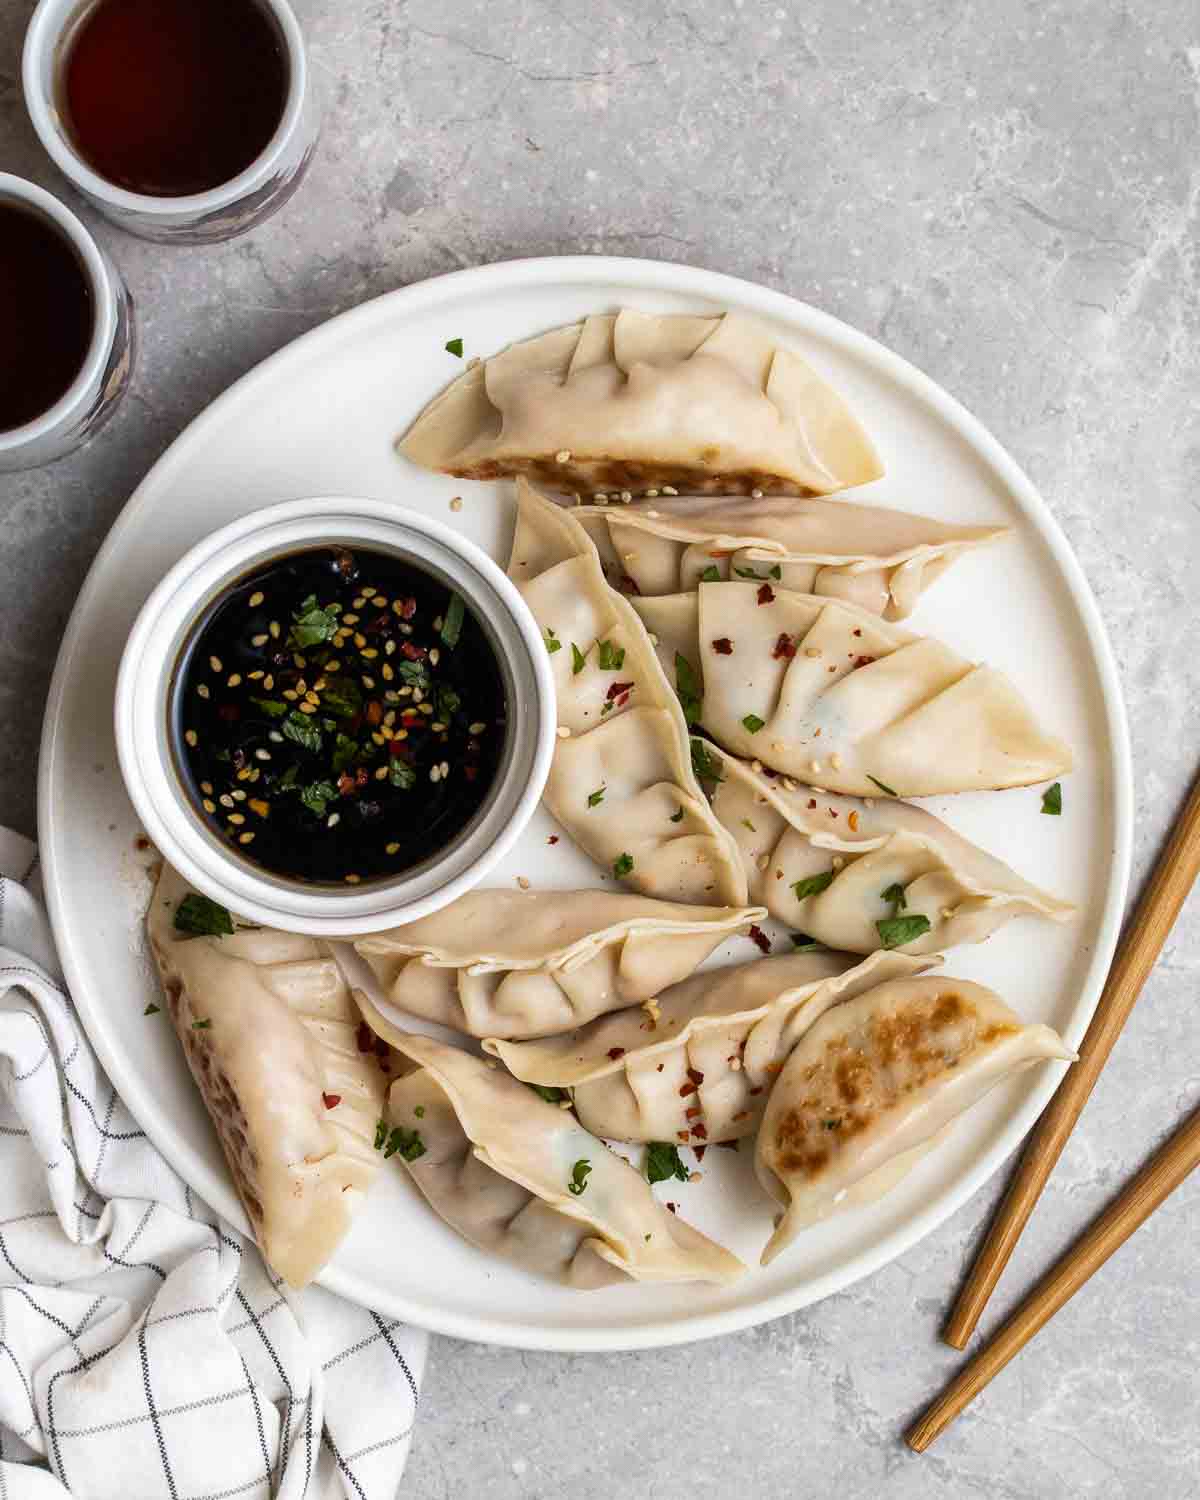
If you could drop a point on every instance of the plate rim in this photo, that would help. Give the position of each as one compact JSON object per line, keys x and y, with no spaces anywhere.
{"x":636,"y":273}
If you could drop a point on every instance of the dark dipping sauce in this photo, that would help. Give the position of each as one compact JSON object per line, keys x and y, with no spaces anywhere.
{"x":340,"y":716}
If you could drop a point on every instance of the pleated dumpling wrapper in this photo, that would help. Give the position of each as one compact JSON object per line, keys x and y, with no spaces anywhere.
{"x":268,"y":1027}
{"x":833,"y":696}
{"x":621,"y":782}
{"x":695,"y":1067}
{"x":873,"y":1082}
{"x":518,"y":964}
{"x":861,"y":874}
{"x":880,"y":560}
{"x":632,"y":401}
{"x":520,"y":1178}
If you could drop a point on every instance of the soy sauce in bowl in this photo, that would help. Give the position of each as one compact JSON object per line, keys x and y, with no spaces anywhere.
{"x":339,"y":716}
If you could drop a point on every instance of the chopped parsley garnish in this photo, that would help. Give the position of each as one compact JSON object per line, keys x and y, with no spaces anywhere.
{"x":662,"y":1163}
{"x":1052,"y":800}
{"x":401,"y":774}
{"x":419,"y":1111}
{"x":342,"y":697}
{"x":677,"y":816}
{"x":287,"y":782}
{"x":688,"y":689}
{"x":448,"y":703}
{"x":407,"y":1142}
{"x":272,"y":707}
{"x":578,"y":660}
{"x":201,"y":1025}
{"x":802,"y":943}
{"x":895,"y":894}
{"x":151,"y":1010}
{"x":711,"y":574}
{"x":704,"y":763}
{"x":455,"y":347}
{"x":300,"y":728}
{"x":317,"y":796}
{"x":579,"y":1177}
{"x":753,"y":723}
{"x":551,"y":1096}
{"x":205,"y":918}
{"x":895,"y":932}
{"x":452,"y":622}
{"x":882,"y":785}
{"x":749,"y":573}
{"x":622,"y":866}
{"x":312,"y":624}
{"x":343,"y":755}
{"x":553,"y":643}
{"x":610,"y":658}
{"x":381,"y":1132}
{"x":812,"y":885}
{"x":596,"y":798}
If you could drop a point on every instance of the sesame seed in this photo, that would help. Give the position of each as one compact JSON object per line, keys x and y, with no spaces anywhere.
{"x":368,"y":682}
{"x":259,"y":807}
{"x":435,"y":656}
{"x":245,"y":838}
{"x":425,"y":708}
{"x":259,"y":640}
{"x":400,"y":734}
{"x":311,"y":697}
{"x":835,"y":760}
{"x":332,"y":666}
{"x":268,"y":682}
{"x":353,"y":879}
{"x":389,"y":647}
{"x":405,"y":628}
{"x":389,"y":718}
{"x":319,"y":685}
{"x":437,"y":726}
{"x":563,"y":732}
{"x":381,"y":773}
{"x":351,"y":619}
{"x":380,"y":602}
{"x":237,"y":819}
{"x":273,"y":627}
{"x":333,"y":820}
{"x":215,"y":663}
{"x":192,"y":738}
{"x":275,"y":737}
{"x":651,"y":494}
{"x":522,"y":882}
{"x":477,"y":728}
{"x":202,"y":690}
{"x":308,"y":708}
{"x":290,"y":694}
{"x":235,"y":680}
{"x":262,"y":755}
{"x":404,"y":692}
{"x":756,"y":494}
{"x":299,"y":661}
{"x":626,"y":496}
{"x":392,"y":849}
{"x":600,"y":496}
{"x":206,"y":788}
{"x":669,"y":489}
{"x":302,"y":687}
{"x":563,"y":456}
{"x":812,"y":651}
{"x":445,"y":768}
{"x":435,"y":773}
{"x":456,"y":503}
{"x":255,"y":676}
{"x":377,"y":737}
{"x":238,"y":795}
{"x":388,"y":674}
{"x":369,"y":593}
{"x":360,"y":641}
{"x":209,"y":805}
{"x":225,"y":800}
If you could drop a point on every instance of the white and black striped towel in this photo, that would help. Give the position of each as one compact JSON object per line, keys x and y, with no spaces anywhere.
{"x":145,"y":1351}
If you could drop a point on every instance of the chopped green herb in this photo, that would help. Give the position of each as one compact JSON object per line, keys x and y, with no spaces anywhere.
{"x":199,"y":915}
{"x":551,"y":1096}
{"x":151,"y":1010}
{"x":610,"y":658}
{"x":415,"y":675}
{"x":452,"y":624}
{"x":622,"y":866}
{"x":300,"y":728}
{"x":401,"y":774}
{"x":812,"y":885}
{"x":343,"y":755}
{"x":318,"y":795}
{"x":895,"y":932}
{"x":448,"y":703}
{"x":802,"y":943}
{"x":895,"y":894}
{"x":579,"y":1177}
{"x":314,"y":625}
{"x":1052,"y":800}
{"x":596,"y":798}
{"x":419,"y":1111}
{"x":883,"y":786}
{"x":753,"y":723}
{"x":662,"y":1163}
{"x":578,"y":660}
{"x":455,"y":347}
{"x":201,"y":1025}
{"x":776,"y":572}
{"x":407,"y":1142}
{"x":749,"y":573}
{"x":342,"y":697}
{"x":704,"y":763}
{"x":287,"y":782}
{"x":553,"y":643}
{"x":688,"y":689}
{"x":677,"y":816}
{"x":381,"y":1131}
{"x":272,"y":707}
{"x":711,"y":574}
{"x":746,"y":823}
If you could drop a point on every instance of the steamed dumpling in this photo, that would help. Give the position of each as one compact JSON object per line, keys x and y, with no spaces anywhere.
{"x":631,"y":401}
{"x":832,"y":866}
{"x":621,"y":782}
{"x":880,"y":560}
{"x":520,"y":1178}
{"x":696,"y":1069}
{"x":521,"y":964}
{"x":269,"y":1028}
{"x":835,"y":697}
{"x":873,"y":1082}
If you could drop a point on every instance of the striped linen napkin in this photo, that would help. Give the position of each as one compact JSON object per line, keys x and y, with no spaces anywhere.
{"x":145,"y":1349}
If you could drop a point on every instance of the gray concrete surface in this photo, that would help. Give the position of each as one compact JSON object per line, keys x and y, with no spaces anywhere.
{"x":1007,"y":194}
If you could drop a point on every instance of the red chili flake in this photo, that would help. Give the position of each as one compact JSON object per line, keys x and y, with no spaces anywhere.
{"x":617,"y":688}
{"x":364,"y":1037}
{"x":700,"y":1131}
{"x":361,"y":777}
{"x":696,"y":1076}
{"x":346,"y":784}
{"x":674,"y":1207}
{"x":413,"y":653}
{"x":331,"y":1101}
{"x":700,"y":1150}
{"x":659,"y":1068}
{"x":766,"y":594}
{"x":812,"y":802}
{"x":622,"y":700}
{"x":374,"y":712}
{"x":858,"y":631}
{"x":755,"y":1091}
{"x":615,"y":1052}
{"x":775,"y":1067}
{"x":785,"y":647}
{"x":832,"y":814}
{"x":553,"y":839}
{"x":408,"y":609}
{"x":410,"y":720}
{"x":230,"y":712}
{"x":682,"y":1135}
{"x":859,"y":661}
{"x":723,"y":646}
{"x":759,"y":938}
{"x":690,"y":1114}
{"x":685,"y":1089}
{"x":141,"y":842}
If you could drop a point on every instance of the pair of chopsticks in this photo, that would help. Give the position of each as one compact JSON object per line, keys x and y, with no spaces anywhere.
{"x":1142,"y":942}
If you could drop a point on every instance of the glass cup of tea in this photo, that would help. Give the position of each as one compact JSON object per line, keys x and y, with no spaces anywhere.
{"x":66,"y":329}
{"x":182,"y":121}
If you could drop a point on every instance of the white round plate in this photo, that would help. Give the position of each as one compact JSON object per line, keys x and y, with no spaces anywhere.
{"x":321,"y":418}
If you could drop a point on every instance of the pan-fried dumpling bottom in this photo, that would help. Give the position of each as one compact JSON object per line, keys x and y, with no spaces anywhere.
{"x":697,"y":1068}
{"x":880,"y":560}
{"x":857,"y":850}
{"x":294,"y":1102}
{"x":875,"y":1080}
{"x":626,"y":402}
{"x":519,"y":964}
{"x":833,"y":696}
{"x":621,"y":782}
{"x":496,"y":1162}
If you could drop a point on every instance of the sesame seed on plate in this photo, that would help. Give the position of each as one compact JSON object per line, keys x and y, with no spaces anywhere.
{"x":256,"y":599}
{"x":215,"y":663}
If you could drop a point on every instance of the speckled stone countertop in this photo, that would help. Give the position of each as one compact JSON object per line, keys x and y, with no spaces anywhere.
{"x":1007,"y":194}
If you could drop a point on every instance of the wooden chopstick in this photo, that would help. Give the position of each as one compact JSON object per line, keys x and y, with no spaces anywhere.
{"x":1141,"y":943}
{"x":1161,"y":1175}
